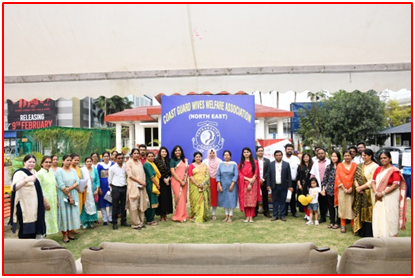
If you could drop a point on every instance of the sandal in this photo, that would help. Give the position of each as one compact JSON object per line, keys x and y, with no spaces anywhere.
{"x":213,"y":217}
{"x":343,"y":229}
{"x":330,"y":226}
{"x":335,"y":226}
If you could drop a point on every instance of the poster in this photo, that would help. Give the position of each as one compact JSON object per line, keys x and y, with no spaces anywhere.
{"x":204,"y":122}
{"x":34,"y":114}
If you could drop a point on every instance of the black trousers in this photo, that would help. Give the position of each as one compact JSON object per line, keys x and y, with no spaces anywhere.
{"x":322,"y":203}
{"x":334,"y":219}
{"x":279,"y":195}
{"x":119,"y":197}
{"x":293,"y":201}
{"x":265,"y":204}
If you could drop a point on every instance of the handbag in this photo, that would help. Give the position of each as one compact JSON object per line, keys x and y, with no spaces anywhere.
{"x":155,"y":190}
{"x":108,"y":197}
{"x":96,"y":197}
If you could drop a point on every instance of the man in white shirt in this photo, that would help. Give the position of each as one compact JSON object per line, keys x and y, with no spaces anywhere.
{"x":117,"y":180}
{"x":294,"y":163}
{"x":317,"y":171}
{"x":361,"y":146}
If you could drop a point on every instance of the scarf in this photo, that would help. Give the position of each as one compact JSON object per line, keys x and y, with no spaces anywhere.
{"x":402,"y":188}
{"x":157,"y":177}
{"x":213,"y":164}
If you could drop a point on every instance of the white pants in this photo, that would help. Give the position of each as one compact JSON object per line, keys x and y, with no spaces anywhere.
{"x":106,"y":217}
{"x":229,"y":211}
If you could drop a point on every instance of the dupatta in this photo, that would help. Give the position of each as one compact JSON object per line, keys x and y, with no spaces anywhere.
{"x":345,"y":177}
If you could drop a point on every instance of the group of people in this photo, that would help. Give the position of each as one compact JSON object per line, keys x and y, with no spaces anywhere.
{"x":62,"y":199}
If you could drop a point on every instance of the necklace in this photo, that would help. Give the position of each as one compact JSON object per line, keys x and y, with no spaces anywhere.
{"x":369,"y":163}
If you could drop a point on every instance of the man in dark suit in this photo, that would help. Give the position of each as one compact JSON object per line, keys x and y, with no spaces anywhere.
{"x":263,"y":170}
{"x":279,"y":180}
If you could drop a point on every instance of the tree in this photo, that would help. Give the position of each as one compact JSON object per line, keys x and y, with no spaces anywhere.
{"x":312,"y":124}
{"x":317,"y":96}
{"x":111,"y":105}
{"x":396,"y":115}
{"x":355,"y":117}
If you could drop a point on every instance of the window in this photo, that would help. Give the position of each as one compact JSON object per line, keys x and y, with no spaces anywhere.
{"x":151,"y":136}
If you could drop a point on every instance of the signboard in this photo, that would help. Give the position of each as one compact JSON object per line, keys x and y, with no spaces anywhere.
{"x":204,"y":122}
{"x":32,"y":114}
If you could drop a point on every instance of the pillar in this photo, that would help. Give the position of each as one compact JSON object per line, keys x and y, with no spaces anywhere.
{"x":280,"y":128}
{"x":139,"y":134}
{"x":118,"y":138}
{"x":131,"y":134}
{"x":259,"y":129}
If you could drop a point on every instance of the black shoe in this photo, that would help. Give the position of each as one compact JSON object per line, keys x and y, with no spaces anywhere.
{"x":267,"y":215}
{"x":143,"y":227}
{"x":283,"y":219}
{"x":295,"y":215}
{"x":105,"y":224}
{"x":138,"y":228}
{"x":125,"y":224}
{"x":110,"y":222}
{"x":274,"y":218}
{"x":114,"y":226}
{"x":321,"y":220}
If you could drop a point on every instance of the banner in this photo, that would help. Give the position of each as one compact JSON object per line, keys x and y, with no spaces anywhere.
{"x":32,"y":114}
{"x":204,"y":122}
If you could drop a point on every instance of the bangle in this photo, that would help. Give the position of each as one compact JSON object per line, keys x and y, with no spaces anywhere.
{"x":383,"y":193}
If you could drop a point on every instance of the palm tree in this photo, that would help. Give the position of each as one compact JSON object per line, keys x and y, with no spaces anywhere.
{"x":111,"y":105}
{"x":317,"y":96}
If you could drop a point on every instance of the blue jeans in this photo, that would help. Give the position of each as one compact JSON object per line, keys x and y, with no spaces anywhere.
{"x":279,"y":195}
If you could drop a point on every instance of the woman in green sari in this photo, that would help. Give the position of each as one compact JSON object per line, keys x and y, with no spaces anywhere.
{"x":199,"y":189}
{"x":152,"y":186}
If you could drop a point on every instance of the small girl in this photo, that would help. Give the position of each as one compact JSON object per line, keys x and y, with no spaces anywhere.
{"x":313,"y":205}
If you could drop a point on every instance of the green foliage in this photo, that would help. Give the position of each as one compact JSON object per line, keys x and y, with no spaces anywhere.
{"x":355,"y":116}
{"x":111,"y":105}
{"x":396,"y":115}
{"x":312,"y":124}
{"x":345,"y":118}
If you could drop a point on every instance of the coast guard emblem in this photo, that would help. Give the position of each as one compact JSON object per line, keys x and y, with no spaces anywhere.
{"x":207,"y":137}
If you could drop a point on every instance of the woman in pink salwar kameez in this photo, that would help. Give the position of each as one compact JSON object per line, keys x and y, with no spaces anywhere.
{"x":179,"y":184}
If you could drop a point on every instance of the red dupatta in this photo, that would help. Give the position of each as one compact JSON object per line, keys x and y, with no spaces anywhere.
{"x":402,"y":188}
{"x":246,"y":171}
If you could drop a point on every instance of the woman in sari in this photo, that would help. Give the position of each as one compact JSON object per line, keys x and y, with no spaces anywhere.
{"x":227,"y":177}
{"x":27,"y":202}
{"x":165,"y":198}
{"x":343,"y":190}
{"x":303,"y":179}
{"x":89,"y":211}
{"x":48,"y":183}
{"x":213,"y":163}
{"x":389,"y":213}
{"x":199,"y":194}
{"x":137,"y":198}
{"x":179,"y":181}
{"x":68,"y":211}
{"x":103,"y":168}
{"x":363,"y":200}
{"x":328,"y":182}
{"x":152,"y":180}
{"x":248,"y":184}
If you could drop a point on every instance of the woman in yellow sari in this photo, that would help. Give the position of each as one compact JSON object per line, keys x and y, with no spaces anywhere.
{"x":364,"y":198}
{"x":178,"y":168}
{"x":199,"y":189}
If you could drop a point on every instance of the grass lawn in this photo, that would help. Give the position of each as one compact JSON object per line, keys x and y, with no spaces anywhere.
{"x":262,"y":231}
